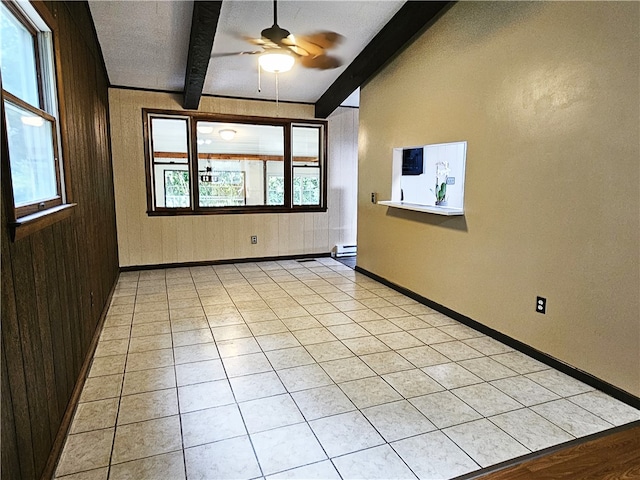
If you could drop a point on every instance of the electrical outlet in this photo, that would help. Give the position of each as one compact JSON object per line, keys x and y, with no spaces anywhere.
{"x":374,"y":197}
{"x":254,"y":239}
{"x":541,"y":305}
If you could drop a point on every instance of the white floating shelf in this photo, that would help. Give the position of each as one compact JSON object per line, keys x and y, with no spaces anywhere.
{"x":449,"y":211}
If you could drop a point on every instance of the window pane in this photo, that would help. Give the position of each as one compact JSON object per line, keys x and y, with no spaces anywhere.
{"x":306,"y":186}
{"x":18,"y":58}
{"x":222,"y":188}
{"x":275,"y":183}
{"x":176,"y":188}
{"x":170,"y":159}
{"x":305,"y":145}
{"x":33,"y":168}
{"x":237,"y":157}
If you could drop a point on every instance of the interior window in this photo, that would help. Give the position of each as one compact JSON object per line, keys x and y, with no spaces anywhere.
{"x":233,"y":166}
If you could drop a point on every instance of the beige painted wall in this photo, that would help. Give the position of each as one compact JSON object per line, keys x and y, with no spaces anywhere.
{"x":547,"y":95}
{"x":144,"y":240}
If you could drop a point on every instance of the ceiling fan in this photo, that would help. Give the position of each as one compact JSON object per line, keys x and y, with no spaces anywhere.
{"x":308,"y":50}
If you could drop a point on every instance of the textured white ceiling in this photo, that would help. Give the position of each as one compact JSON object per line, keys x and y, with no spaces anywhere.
{"x":145,"y":43}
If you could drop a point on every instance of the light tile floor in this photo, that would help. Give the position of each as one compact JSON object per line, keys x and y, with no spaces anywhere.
{"x":307,"y":370}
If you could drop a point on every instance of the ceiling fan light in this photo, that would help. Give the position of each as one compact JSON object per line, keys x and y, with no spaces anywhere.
{"x":227,"y":134}
{"x":276,"y":62}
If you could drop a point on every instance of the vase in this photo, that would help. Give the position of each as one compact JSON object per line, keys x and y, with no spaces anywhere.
{"x":441,"y":203}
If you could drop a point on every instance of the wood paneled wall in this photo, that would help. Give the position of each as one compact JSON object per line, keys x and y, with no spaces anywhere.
{"x":56,"y":282}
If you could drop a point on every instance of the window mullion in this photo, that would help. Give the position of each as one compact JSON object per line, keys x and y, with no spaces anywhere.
{"x":288,"y":167}
{"x":193,"y":164}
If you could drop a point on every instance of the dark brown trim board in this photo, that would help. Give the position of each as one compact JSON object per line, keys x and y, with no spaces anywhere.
{"x":413,"y":18}
{"x":226,"y":97}
{"x":204,"y":23}
{"x":225,"y":262}
{"x":576,"y":373}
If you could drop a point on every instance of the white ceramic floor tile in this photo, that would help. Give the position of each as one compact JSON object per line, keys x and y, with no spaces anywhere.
{"x":85,"y":451}
{"x":375,"y":463}
{"x":168,"y":465}
{"x":606,"y":407}
{"x":199,"y":372}
{"x":246,"y":364}
{"x":324,"y":352}
{"x":412,"y":383}
{"x":270,"y":412}
{"x":211,"y":425}
{"x":444,"y":409}
{"x":233,"y":458}
{"x":456,"y":350}
{"x":487,"y":368}
{"x":322,"y":401}
{"x":289,"y":358}
{"x":304,"y":377}
{"x":485,"y":443}
{"x":525,"y":391}
{"x":386,"y":362}
{"x":519,"y":362}
{"x":486,"y":400}
{"x":559,"y":383}
{"x":345,"y":433}
{"x":204,"y":395}
{"x":365,"y":345}
{"x":145,"y":439}
{"x":530,"y":429}
{"x":316,"y":471}
{"x":434,"y":456}
{"x":571,"y":417}
{"x":368,"y":392}
{"x":451,"y":375}
{"x":398,"y":420}
{"x":258,"y":385}
{"x":346,"y":369}
{"x":286,"y":448}
{"x":148,"y":405}
{"x":423,"y":356}
{"x":94,"y":415}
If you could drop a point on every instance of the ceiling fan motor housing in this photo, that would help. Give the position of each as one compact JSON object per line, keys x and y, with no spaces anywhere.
{"x":275,"y":33}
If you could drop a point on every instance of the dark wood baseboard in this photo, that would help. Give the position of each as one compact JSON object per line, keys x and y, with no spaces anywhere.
{"x":547,"y":359}
{"x":58,"y":443}
{"x":207,"y":263}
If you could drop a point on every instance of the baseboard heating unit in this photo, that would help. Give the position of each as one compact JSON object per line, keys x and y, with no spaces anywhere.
{"x":344,"y":251}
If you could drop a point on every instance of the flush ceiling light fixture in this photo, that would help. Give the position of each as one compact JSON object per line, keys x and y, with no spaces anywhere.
{"x":227,"y":134}
{"x":205,"y":129}
{"x":276,"y":62}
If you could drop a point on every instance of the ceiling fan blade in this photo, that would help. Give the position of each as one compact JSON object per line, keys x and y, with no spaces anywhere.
{"x":235,"y":54}
{"x":321,"y":62}
{"x":324,"y":39}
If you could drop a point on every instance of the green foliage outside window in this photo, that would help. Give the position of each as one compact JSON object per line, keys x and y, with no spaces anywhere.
{"x":176,"y":188}
{"x":226,"y":190}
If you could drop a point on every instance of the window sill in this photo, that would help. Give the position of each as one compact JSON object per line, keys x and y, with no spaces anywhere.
{"x":29,"y":224}
{"x":233,"y":211}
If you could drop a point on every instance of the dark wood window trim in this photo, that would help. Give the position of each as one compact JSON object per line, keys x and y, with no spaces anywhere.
{"x":195,"y":209}
{"x":27,"y":219}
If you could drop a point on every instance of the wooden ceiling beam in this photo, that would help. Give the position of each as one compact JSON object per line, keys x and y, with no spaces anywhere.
{"x":412,"y":19}
{"x":204,"y":23}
